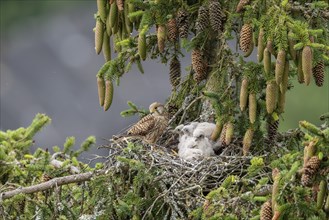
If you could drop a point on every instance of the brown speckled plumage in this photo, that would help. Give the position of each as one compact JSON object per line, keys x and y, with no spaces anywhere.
{"x":152,"y":126}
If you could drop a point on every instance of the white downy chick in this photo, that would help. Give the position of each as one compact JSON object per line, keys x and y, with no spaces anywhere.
{"x":188,"y":149}
{"x":205,"y":128}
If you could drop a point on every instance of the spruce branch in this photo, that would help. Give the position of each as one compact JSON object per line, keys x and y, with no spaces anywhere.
{"x":59,"y":181}
{"x":308,"y":12}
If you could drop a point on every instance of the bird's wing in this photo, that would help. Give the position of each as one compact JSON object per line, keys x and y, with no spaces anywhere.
{"x":143,"y":126}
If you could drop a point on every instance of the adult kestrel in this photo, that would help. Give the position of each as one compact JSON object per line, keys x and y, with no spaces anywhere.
{"x":152,"y":126}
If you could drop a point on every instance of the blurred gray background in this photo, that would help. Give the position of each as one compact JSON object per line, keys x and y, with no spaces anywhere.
{"x":48,"y":65}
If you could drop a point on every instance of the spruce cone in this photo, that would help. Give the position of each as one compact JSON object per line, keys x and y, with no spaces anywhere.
{"x":246,"y":38}
{"x":161,"y":34}
{"x":101,"y":6}
{"x":272,"y":129}
{"x":108,"y":94}
{"x":241,"y":5}
{"x":244,"y":94}
{"x":216,"y":132}
{"x":247,"y":140}
{"x":267,"y":62}
{"x":310,"y":169}
{"x":202,"y":21}
{"x":318,"y":73}
{"x":292,"y":51}
{"x":175,"y":72}
{"x":229,"y":133}
{"x":216,"y":16}
{"x":106,"y":47}
{"x":182,"y":23}
{"x":271,"y":95}
{"x":101,"y":90}
{"x":312,"y":165}
{"x":99,"y":33}
{"x":261,"y":46}
{"x":307,"y":58}
{"x":199,"y":66}
{"x":300,"y":74}
{"x":279,"y":66}
{"x":223,"y":136}
{"x":270,"y":47}
{"x":252,"y":107}
{"x":266,"y":211}
{"x":307,"y":180}
{"x":142,"y":45}
{"x":285,"y":78}
{"x":172,"y":29}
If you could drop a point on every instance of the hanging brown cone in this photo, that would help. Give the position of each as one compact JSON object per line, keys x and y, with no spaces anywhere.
{"x":251,"y":48}
{"x":247,"y":140}
{"x":241,"y":5}
{"x":292,"y":51}
{"x":202,"y":21}
{"x":216,"y":16}
{"x":285,"y":78}
{"x":216,"y":132}
{"x":161,"y":35}
{"x":120,"y":4}
{"x":246,"y":38}
{"x":279,"y":66}
{"x":313,"y":164}
{"x":172,"y":30}
{"x":101,"y":7}
{"x":266,"y":211}
{"x":175,"y":72}
{"x":267,"y":62}
{"x":252,"y":107}
{"x":99,"y":30}
{"x":261,"y":46}
{"x":229,"y":133}
{"x":244,"y":94}
{"x":271,"y":96}
{"x":108,"y":94}
{"x":307,"y":180}
{"x":270,"y":47}
{"x":318,"y":73}
{"x":300,"y":73}
{"x":142,"y":45}
{"x":198,"y":65}
{"x":272,"y":130}
{"x":223,"y":136}
{"x":101,"y":90}
{"x":106,"y":47}
{"x":307,"y":58}
{"x":310,"y":169}
{"x":182,"y":23}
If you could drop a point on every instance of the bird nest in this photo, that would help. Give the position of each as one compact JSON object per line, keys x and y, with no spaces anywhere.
{"x":171,"y":187}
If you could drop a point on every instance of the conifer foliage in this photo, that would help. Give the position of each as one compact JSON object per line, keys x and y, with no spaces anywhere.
{"x":257,"y":172}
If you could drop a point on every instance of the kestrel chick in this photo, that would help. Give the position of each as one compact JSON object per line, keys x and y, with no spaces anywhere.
{"x":152,"y":126}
